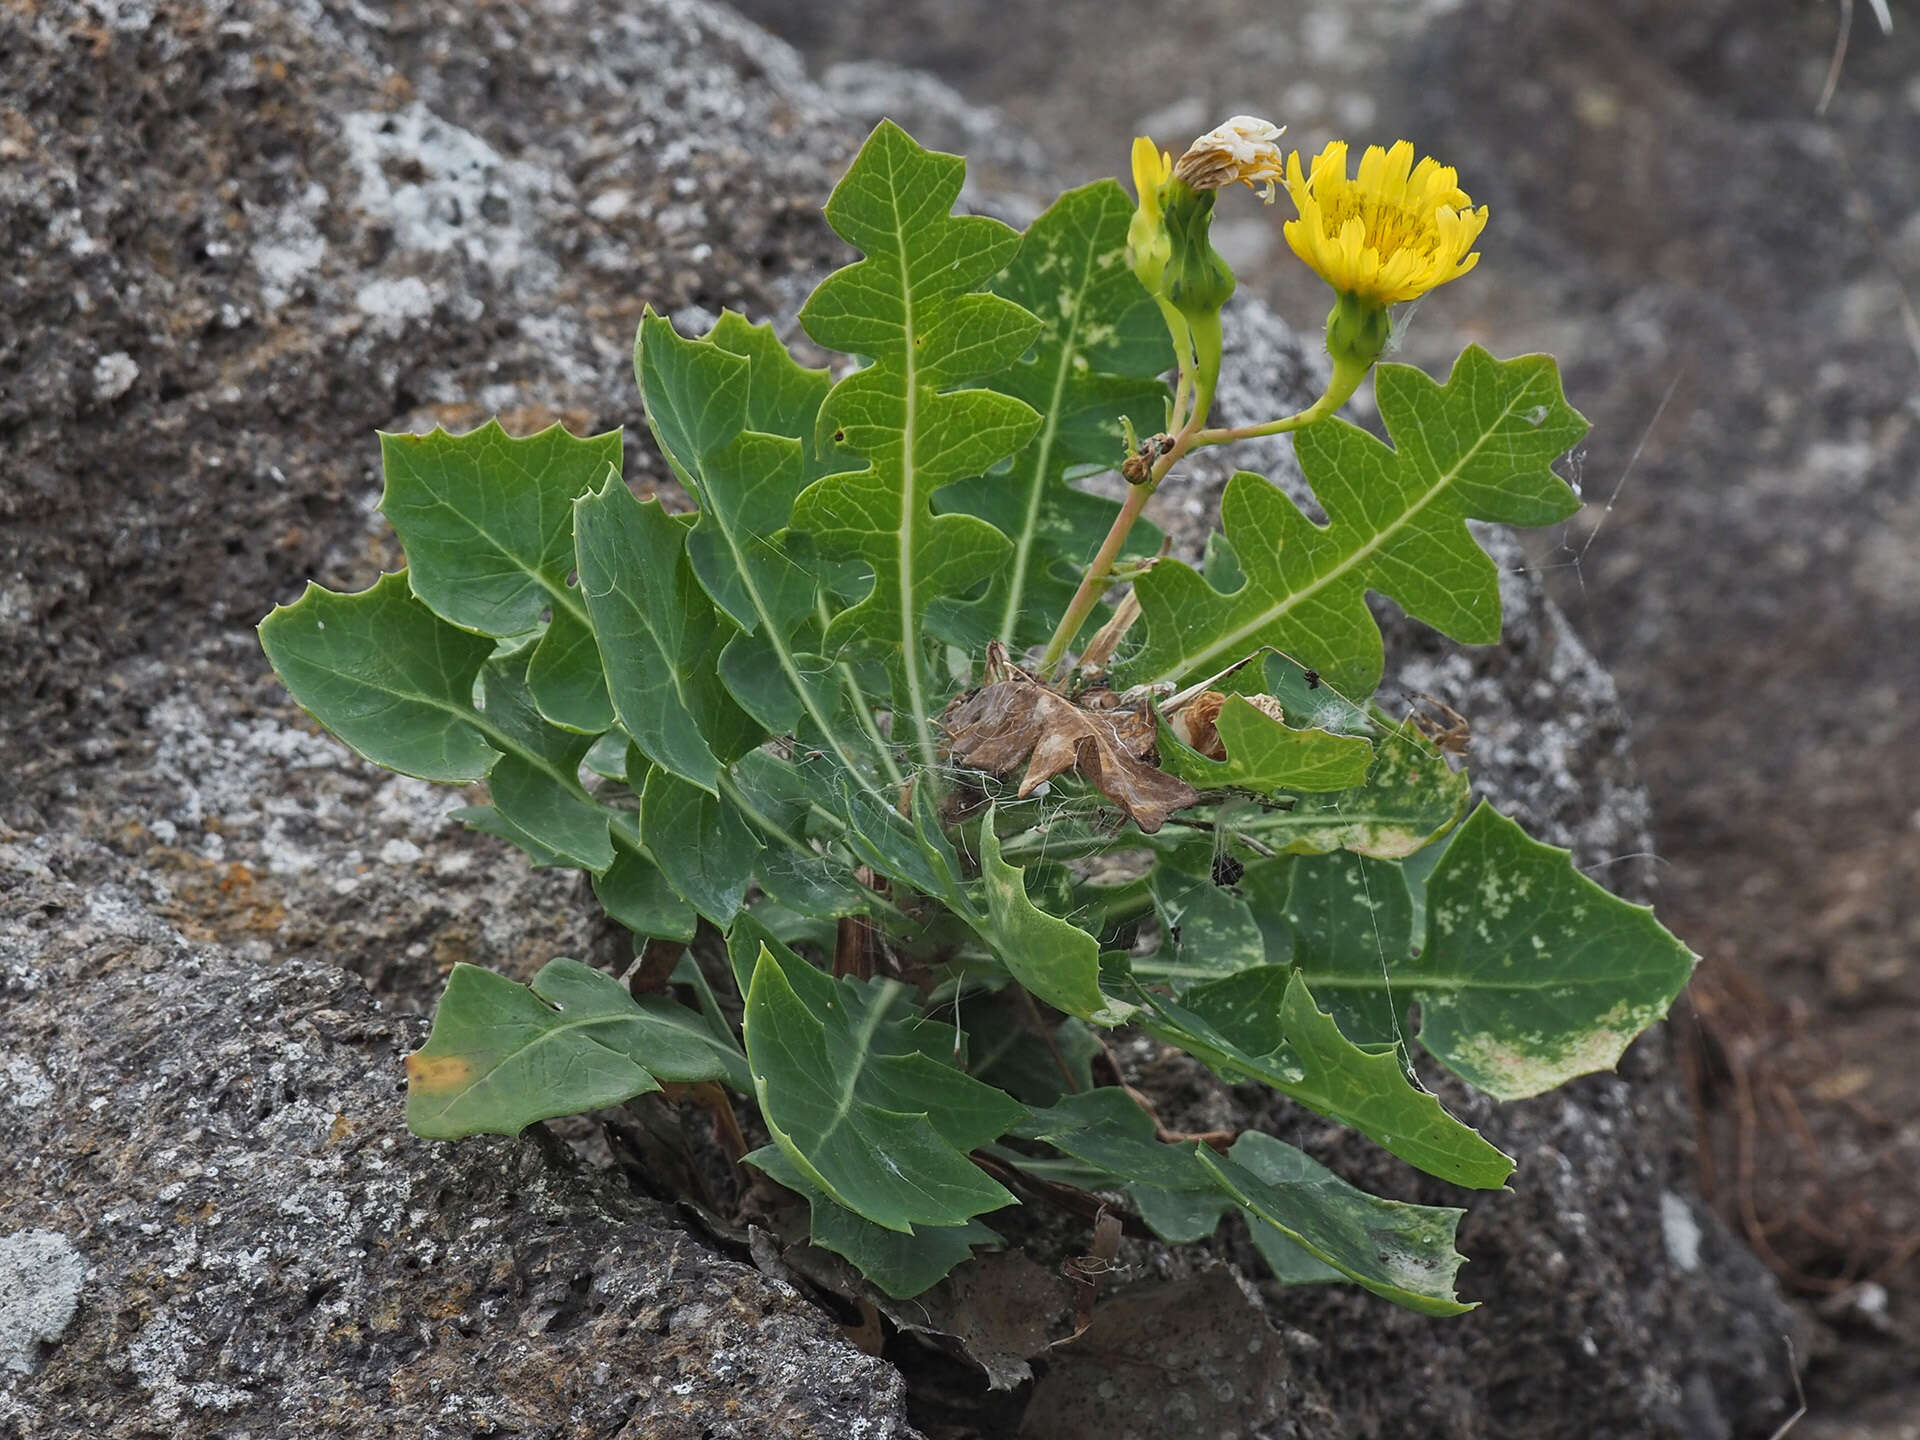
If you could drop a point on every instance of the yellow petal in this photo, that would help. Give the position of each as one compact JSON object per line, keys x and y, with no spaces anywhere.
{"x":1147,"y":174}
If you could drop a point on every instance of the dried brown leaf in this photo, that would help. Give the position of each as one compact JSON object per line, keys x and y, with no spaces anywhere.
{"x":1013,"y":719}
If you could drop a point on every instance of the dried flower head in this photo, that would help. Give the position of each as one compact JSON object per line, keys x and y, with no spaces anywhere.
{"x":1243,"y":149}
{"x":1392,"y":233}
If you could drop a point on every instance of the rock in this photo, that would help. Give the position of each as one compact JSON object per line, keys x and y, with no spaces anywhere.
{"x":40,"y":1271}
{"x":296,"y":223}
{"x":243,"y":237}
{"x":217,"y":1147}
{"x":276,"y":229}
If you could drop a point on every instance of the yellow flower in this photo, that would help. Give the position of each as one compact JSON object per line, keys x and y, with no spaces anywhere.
{"x":1151,"y":167}
{"x":1393,"y":233}
{"x":1147,"y":245}
{"x":1242,"y":149}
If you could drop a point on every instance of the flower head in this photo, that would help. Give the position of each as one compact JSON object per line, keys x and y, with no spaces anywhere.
{"x":1242,"y":149}
{"x":1392,"y":233}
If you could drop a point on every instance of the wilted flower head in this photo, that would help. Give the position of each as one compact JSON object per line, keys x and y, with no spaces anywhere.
{"x":1242,"y":149}
{"x":1392,"y":233}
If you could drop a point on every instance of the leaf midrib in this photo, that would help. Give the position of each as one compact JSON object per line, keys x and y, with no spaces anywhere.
{"x":559,"y":593}
{"x":493,"y":733}
{"x":553,"y":1032}
{"x":784,"y":652}
{"x":1043,"y":456}
{"x":1229,"y":642}
{"x":1321,"y":980}
{"x":909,"y":491}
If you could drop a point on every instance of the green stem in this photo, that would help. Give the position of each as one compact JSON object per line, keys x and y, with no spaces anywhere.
{"x":1207,"y":344}
{"x":1183,"y":353}
{"x":1099,"y":574}
{"x":1204,"y":332}
{"x":1344,"y":381}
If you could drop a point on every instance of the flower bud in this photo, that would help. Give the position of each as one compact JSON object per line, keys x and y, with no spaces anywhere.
{"x":1147,"y":244}
{"x":1199,"y":282}
{"x":1357,"y":332}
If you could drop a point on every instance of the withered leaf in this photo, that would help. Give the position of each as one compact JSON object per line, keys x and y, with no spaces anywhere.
{"x":1015,"y":719}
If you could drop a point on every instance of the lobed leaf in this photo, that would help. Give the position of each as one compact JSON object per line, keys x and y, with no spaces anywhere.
{"x":1099,"y":356}
{"x":1269,"y":1012}
{"x":1267,"y":756}
{"x":911,"y":306}
{"x":388,"y":676}
{"x":535,"y":786}
{"x":1056,"y":960}
{"x":1478,"y":447}
{"x":729,"y":413}
{"x":1401,"y":1252}
{"x":634,"y":891}
{"x":1409,"y":797}
{"x":487,"y":521}
{"x":1532,"y":973}
{"x":701,"y":842}
{"x":902,"y":1264}
{"x":657,"y":634}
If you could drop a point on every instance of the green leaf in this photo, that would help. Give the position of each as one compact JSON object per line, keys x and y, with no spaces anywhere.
{"x":701,"y":396}
{"x":502,"y":1056}
{"x":1180,"y":1217}
{"x":876,"y":1124}
{"x":1478,"y":447}
{"x":607,"y":756}
{"x":565,"y":679}
{"x":1270,"y":1012}
{"x":1402,"y":1252}
{"x":658,"y":634}
{"x":397,"y":683}
{"x":488,"y":821}
{"x":634,"y":892}
{"x":1412,"y":1250}
{"x":1057,"y":961}
{"x":487,"y":521}
{"x":388,"y":676}
{"x":911,"y":307}
{"x":1350,"y":920}
{"x":1099,"y":356}
{"x":901,"y":1264}
{"x":1410,"y":796}
{"x":1268,"y":757}
{"x":910,"y":850}
{"x":536,"y":786}
{"x":777,"y":796}
{"x":701,"y":844}
{"x":1207,"y":930}
{"x":1533,"y":974}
